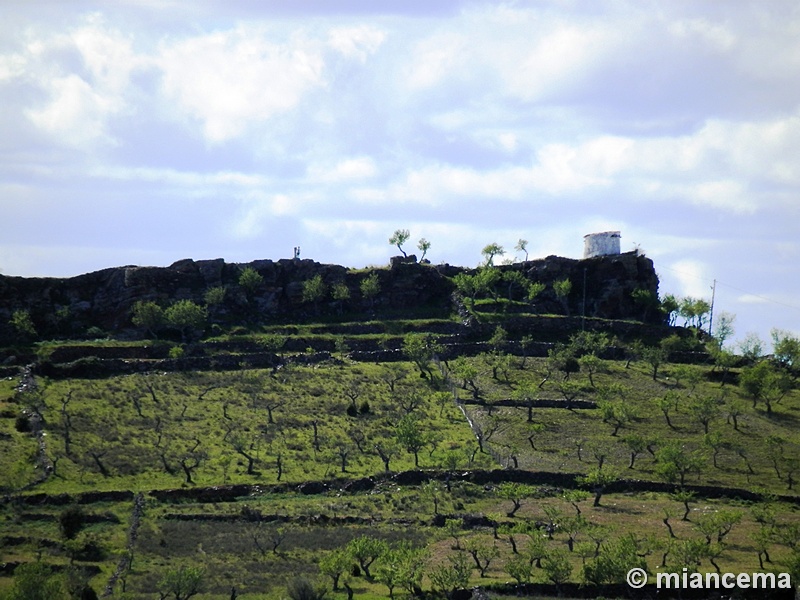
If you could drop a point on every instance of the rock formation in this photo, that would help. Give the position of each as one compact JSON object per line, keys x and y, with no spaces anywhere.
{"x":103,"y":299}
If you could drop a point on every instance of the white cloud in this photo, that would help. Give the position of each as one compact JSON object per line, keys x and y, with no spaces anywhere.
{"x":752,"y":299}
{"x":356,"y":42}
{"x":82,"y":96}
{"x":436,"y":58}
{"x":718,"y":36}
{"x":107,"y":53}
{"x":185,"y":179}
{"x":559,"y":57}
{"x":230,"y":79}
{"x":353,"y":169}
{"x":76,"y":113}
{"x":11,"y":66}
{"x":692,"y":275}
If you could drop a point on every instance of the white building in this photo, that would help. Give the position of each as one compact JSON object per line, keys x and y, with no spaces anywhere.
{"x":601,"y":244}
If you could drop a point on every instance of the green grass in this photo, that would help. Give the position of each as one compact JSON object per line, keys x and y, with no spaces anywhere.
{"x":198,"y":415}
{"x":206,"y":415}
{"x":556,"y":445}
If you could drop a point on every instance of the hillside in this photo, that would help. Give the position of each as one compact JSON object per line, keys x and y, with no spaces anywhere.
{"x":423,"y":436}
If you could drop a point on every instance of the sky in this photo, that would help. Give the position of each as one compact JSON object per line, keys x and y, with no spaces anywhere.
{"x":141,"y":132}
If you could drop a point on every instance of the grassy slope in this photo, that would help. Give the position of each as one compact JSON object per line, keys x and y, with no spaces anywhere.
{"x":106,"y":420}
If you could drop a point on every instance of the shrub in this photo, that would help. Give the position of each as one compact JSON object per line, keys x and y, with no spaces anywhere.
{"x":70,"y":521}
{"x":302,"y":589}
{"x":23,"y":424}
{"x":94,"y":333}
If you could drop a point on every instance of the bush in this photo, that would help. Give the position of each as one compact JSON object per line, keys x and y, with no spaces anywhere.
{"x":302,"y":589}
{"x":70,"y":521}
{"x":176,"y":352}
{"x":94,"y":333}
{"x":23,"y":424}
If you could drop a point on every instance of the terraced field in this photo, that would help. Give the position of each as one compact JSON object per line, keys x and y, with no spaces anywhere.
{"x":393,"y":458}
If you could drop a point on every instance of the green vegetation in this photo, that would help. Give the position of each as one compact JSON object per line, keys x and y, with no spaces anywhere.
{"x":400,"y":237}
{"x":346,"y":458}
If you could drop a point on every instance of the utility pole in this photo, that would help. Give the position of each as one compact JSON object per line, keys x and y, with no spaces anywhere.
{"x":711,"y":316}
{"x":583,"y":308}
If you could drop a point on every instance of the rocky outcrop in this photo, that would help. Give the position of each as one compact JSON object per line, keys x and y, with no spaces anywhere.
{"x":70,"y":307}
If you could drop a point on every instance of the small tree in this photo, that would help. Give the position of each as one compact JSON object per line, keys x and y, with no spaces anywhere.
{"x":186,"y":316}
{"x":250,"y":280}
{"x":785,"y":348}
{"x":334,"y":564}
{"x":655,"y":356}
{"x":724,"y":328}
{"x":557,"y":567}
{"x":482,"y":554}
{"x":466,"y":286}
{"x":669,"y":307}
{"x":490,"y":251}
{"x":370,"y":287}
{"x":432,"y":490}
{"x":515,"y":492}
{"x":410,"y":436}
{"x":423,"y":245}
{"x":420,"y":348}
{"x":448,"y":578}
{"x":522,"y":246}
{"x":147,"y":315}
{"x":340,"y":293}
{"x":520,"y":568}
{"x":400,"y":566}
{"x":400,"y":237}
{"x":36,"y":581}
{"x":613,"y":561}
{"x":674,"y":463}
{"x":617,"y":412}
{"x":562,"y":289}
{"x":182,"y":583}
{"x":23,"y":324}
{"x":704,"y":409}
{"x":314,"y":290}
{"x":598,"y":480}
{"x":764,"y":383}
{"x":365,"y":550}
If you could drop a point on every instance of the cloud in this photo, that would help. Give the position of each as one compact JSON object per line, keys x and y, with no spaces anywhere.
{"x":436,"y":58}
{"x":76,"y":113}
{"x":356,"y":42}
{"x":692,"y":275}
{"x":187,"y":179}
{"x":353,"y":169}
{"x":230,"y":79}
{"x":752,"y":299}
{"x":82,"y":96}
{"x":718,"y":36}
{"x":11,"y":66}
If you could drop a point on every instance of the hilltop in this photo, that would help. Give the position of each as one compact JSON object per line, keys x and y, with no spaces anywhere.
{"x":102,"y":301}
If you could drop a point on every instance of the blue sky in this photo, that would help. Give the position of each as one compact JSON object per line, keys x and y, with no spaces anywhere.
{"x":142,"y":133}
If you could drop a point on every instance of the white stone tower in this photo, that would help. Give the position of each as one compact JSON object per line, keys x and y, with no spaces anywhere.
{"x":601,"y":244}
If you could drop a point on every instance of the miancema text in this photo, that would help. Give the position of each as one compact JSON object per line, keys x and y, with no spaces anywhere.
{"x":688,"y":580}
